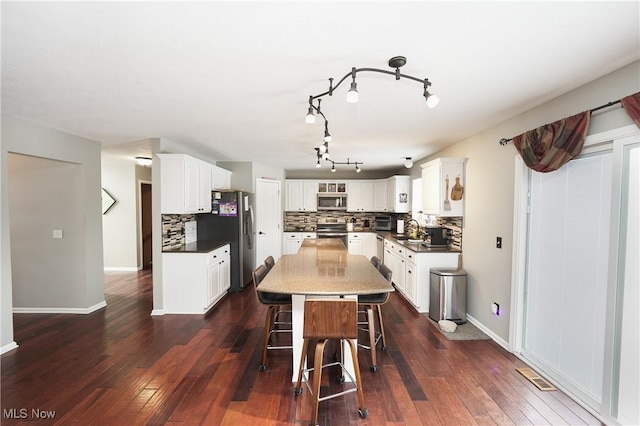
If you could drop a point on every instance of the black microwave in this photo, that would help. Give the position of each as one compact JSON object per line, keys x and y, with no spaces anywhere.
{"x":332,"y":202}
{"x":383,"y":223}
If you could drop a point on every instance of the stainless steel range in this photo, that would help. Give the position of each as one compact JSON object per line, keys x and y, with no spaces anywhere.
{"x":333,"y":228}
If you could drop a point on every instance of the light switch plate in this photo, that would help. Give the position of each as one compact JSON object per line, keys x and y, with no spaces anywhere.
{"x":57,"y":233}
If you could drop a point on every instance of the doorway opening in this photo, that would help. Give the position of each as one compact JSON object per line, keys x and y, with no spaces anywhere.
{"x":146,"y":236}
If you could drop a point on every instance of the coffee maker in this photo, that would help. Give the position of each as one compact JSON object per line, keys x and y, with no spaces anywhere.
{"x":438,"y":237}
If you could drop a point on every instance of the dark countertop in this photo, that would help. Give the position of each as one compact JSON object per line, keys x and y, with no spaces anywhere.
{"x":416,"y":247}
{"x":197,"y":247}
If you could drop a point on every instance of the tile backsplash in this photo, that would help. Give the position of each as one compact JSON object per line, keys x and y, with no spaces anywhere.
{"x":173,"y":229}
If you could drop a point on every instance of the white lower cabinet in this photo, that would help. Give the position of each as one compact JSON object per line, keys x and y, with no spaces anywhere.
{"x":411,"y":271}
{"x":293,"y":240}
{"x":194,"y":282}
{"x":363,"y":243}
{"x":418,"y":273}
{"x":394,"y":258}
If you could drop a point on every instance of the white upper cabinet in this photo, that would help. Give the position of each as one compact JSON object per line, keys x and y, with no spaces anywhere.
{"x":301,"y":195}
{"x":399,"y":194}
{"x":443,"y":187}
{"x":220,"y":178}
{"x":185,"y":184}
{"x":380,"y":196}
{"x":360,"y":196}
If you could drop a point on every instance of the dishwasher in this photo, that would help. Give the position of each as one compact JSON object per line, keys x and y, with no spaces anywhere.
{"x":380,"y":246}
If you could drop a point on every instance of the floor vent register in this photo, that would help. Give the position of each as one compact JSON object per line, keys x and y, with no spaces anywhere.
{"x":535,"y":378}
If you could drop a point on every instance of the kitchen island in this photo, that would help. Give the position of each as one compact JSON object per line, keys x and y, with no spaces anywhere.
{"x":322,"y":267}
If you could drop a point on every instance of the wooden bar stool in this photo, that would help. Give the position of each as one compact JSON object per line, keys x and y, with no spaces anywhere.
{"x":326,"y":319}
{"x":273,"y":301}
{"x":372,"y":304}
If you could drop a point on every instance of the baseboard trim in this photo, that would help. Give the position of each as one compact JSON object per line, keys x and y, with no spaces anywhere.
{"x":499,"y":340}
{"x":75,"y":311}
{"x":6,"y":348}
{"x":121,"y":269}
{"x":158,"y":312}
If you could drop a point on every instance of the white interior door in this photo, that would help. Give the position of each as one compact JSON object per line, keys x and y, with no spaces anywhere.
{"x":268,"y":219}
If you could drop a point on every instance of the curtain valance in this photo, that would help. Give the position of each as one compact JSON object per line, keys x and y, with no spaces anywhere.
{"x":631,"y":105}
{"x":549,"y":147}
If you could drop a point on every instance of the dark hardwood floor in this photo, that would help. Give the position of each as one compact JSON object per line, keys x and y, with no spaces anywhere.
{"x":120,"y":366}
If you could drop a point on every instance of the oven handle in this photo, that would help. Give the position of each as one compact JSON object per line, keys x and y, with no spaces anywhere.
{"x":332,"y":234}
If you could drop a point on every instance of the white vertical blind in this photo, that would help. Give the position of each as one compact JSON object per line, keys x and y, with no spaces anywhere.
{"x":568,"y":256}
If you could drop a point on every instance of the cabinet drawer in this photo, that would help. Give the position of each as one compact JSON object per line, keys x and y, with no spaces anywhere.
{"x":218,"y":254}
{"x":293,"y":235}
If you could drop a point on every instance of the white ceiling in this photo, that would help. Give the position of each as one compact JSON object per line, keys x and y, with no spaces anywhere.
{"x":233,"y":78}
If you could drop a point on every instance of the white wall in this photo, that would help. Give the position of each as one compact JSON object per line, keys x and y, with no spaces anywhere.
{"x":22,"y":137}
{"x":45,"y":195}
{"x":119,"y":224}
{"x":489,"y":188}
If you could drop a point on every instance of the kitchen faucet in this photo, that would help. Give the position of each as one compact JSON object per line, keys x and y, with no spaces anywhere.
{"x":417,"y":227}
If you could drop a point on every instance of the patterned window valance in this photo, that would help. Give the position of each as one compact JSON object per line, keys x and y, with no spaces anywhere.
{"x":549,"y":147}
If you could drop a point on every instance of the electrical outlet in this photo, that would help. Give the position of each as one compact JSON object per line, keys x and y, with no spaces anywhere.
{"x":57,"y":233}
{"x":495,"y":308}
{"x":499,"y":242}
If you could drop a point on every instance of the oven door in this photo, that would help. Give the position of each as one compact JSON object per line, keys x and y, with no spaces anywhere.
{"x":343,"y":236}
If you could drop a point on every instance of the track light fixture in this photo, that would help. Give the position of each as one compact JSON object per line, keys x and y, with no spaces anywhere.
{"x":408,"y":163}
{"x":353,"y":96}
{"x":327,"y":136}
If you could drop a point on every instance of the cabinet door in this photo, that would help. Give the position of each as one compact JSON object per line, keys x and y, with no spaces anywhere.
{"x":309,"y":196}
{"x":213,"y":280}
{"x":225,"y":274}
{"x":355,"y":244}
{"x":220,"y":178}
{"x":431,"y":189}
{"x":354,"y":196}
{"x":292,"y":246}
{"x":410,"y":283}
{"x":401,"y":194}
{"x":204,"y":188}
{"x":366,"y":200}
{"x":294,"y":196}
{"x":369,"y":245}
{"x":380,"y":196}
{"x":191,"y":185}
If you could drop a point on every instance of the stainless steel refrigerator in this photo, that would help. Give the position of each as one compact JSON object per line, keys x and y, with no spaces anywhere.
{"x":232,"y":220}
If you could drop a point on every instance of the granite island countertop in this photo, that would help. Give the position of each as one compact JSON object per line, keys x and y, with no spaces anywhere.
{"x":324,"y":267}
{"x":196,"y":247}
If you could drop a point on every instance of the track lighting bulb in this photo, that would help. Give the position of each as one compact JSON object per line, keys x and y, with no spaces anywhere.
{"x":431,"y":99}
{"x":352,"y":95}
{"x":325,"y":155}
{"x":358,"y":169}
{"x":408,"y":163}
{"x":327,"y":136}
{"x":318,"y":163}
{"x":333,"y":169}
{"x":323,"y":148}
{"x":310,"y":118}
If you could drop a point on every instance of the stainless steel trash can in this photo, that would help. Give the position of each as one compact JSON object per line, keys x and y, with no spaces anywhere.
{"x":448,"y":295}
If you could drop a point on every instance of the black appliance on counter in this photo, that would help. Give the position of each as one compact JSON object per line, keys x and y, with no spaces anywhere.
{"x":384,"y":223}
{"x":231,"y":220}
{"x":438,"y":237}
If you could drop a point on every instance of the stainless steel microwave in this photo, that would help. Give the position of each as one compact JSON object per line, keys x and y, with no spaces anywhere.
{"x":332,"y":202}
